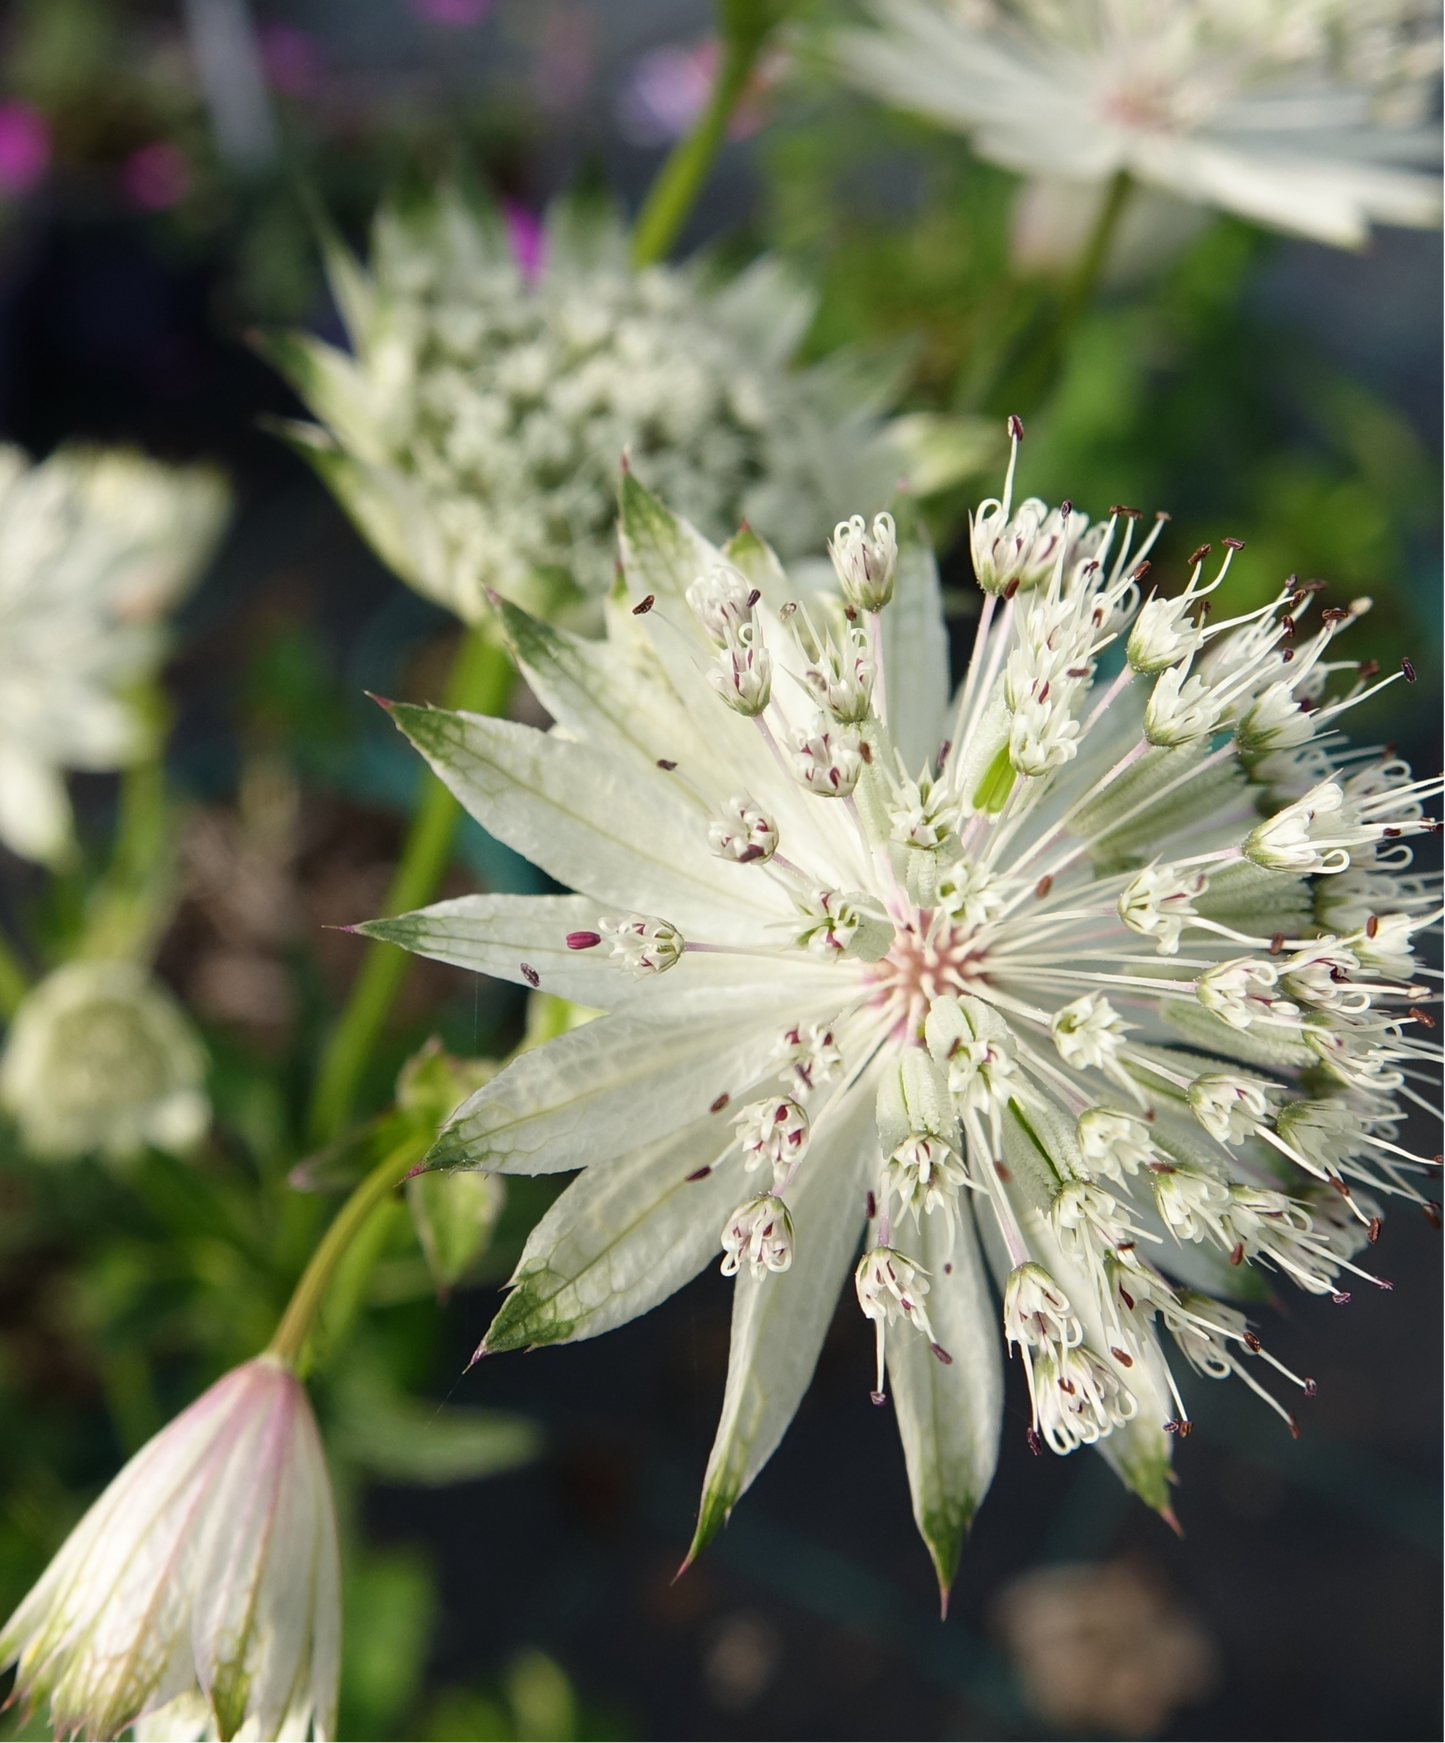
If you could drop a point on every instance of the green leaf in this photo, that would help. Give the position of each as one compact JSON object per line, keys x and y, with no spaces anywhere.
{"x":662,"y":554}
{"x":410,"y":1440}
{"x":454,"y":1216}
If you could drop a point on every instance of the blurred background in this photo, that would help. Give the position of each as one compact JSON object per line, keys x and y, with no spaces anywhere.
{"x":161,"y":164}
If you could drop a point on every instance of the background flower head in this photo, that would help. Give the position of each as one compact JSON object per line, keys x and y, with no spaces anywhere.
{"x":1306,"y":115}
{"x":95,"y":547}
{"x":474,"y":433}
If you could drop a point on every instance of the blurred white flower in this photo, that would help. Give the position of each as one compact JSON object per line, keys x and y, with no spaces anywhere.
{"x":474,"y":434}
{"x":1103,"y":1649}
{"x":101,"y":1057}
{"x":200,"y":1594}
{"x":837,"y":1044}
{"x":95,"y":546}
{"x":1305,"y":115}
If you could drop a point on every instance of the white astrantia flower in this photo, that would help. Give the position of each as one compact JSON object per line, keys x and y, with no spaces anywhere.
{"x":100,"y":1057}
{"x":200,"y":1595}
{"x":1106,"y":1057}
{"x":1311,"y":116}
{"x":95,"y":547}
{"x":473,"y":432}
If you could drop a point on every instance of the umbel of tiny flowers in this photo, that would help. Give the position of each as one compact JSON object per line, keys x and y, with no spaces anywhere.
{"x":1310,"y":116}
{"x":200,"y":1595}
{"x":473,"y":432}
{"x":100,"y":1057}
{"x":95,"y":547}
{"x":1096,"y":974}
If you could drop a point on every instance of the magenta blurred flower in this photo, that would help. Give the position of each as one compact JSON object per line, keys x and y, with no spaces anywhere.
{"x":291,"y":59}
{"x":24,"y":147}
{"x":458,"y":13}
{"x":156,"y":176}
{"x":527,"y":238}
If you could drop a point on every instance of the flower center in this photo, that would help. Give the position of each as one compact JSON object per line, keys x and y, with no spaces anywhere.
{"x":929,"y":956}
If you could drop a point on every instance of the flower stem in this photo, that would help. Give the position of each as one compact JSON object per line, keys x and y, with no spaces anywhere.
{"x":480,"y":681}
{"x":746,"y":25}
{"x":296,"y":1323}
{"x":14,"y":978}
{"x":1085,"y":277}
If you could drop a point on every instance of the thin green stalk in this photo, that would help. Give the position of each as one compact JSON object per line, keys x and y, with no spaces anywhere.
{"x":292,"y":1333}
{"x":14,"y":979}
{"x":1084,"y":280}
{"x":481,"y":681}
{"x":746,"y":26}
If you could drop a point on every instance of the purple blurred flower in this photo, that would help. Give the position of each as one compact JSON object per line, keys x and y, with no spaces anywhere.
{"x":458,"y":13}
{"x":669,"y":86}
{"x":24,"y":147}
{"x":291,"y":58}
{"x":156,"y":176}
{"x":527,"y":238}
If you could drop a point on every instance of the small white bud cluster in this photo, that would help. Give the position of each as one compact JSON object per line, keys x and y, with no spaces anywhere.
{"x":1241,"y":990}
{"x":1159,"y":903}
{"x":840,"y":679}
{"x":744,"y":832}
{"x":1229,"y":1108}
{"x":918,"y":1129}
{"x":1113,"y":1144}
{"x":865,"y":565}
{"x":809,"y":1056}
{"x":775,"y":1131}
{"x":974,"y":1046}
{"x":826,"y":758}
{"x":923,"y":813}
{"x":1077,"y":1397}
{"x":724,"y":604}
{"x":760,"y":1231}
{"x":1089,"y":1032}
{"x":644,"y":944}
{"x":891,"y":1286}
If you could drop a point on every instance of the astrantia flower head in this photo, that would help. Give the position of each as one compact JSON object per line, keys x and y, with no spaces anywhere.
{"x":100,"y":1057}
{"x":200,"y":1594}
{"x":1305,"y":115}
{"x":1011,"y":986}
{"x":473,"y":434}
{"x":94,"y":547}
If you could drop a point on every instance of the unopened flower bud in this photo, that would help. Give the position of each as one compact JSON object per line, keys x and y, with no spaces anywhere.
{"x":644,"y":944}
{"x":774,"y":1131}
{"x":743,"y":675}
{"x":744,"y":832}
{"x":865,"y":566}
{"x":760,"y":1231}
{"x":826,"y":759}
{"x":722,"y":601}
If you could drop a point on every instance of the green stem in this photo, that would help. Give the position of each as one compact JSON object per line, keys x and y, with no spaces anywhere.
{"x":296,"y":1323}
{"x":14,"y":979}
{"x":673,"y":194}
{"x":1084,"y":280}
{"x":480,"y":681}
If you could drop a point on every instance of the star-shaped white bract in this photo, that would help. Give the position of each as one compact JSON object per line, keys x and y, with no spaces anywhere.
{"x":474,"y":430}
{"x":1310,"y":116}
{"x":1011,"y":979}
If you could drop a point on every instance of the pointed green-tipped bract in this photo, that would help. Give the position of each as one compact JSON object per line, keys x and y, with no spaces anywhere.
{"x":624,"y":1236}
{"x":949,"y":1413}
{"x":780,"y":1321}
